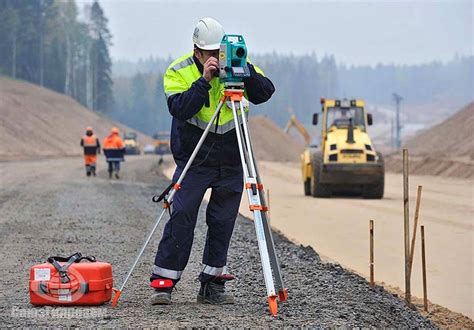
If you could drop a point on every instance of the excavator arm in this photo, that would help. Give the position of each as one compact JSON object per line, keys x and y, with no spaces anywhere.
{"x":293,"y":122}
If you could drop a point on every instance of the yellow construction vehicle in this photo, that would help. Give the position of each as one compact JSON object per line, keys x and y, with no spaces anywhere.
{"x":346,"y":160}
{"x":294,"y":122}
{"x":131,"y":144}
{"x":162,"y":143}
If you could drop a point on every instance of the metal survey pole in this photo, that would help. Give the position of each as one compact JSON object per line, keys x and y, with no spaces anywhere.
{"x":398,"y":99}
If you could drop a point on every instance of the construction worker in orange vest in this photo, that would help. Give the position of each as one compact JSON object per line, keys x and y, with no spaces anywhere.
{"x":91,"y":146}
{"x":114,"y":151}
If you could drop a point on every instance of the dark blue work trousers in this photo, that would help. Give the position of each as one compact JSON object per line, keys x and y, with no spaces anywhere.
{"x":175,"y":246}
{"x":114,"y":166}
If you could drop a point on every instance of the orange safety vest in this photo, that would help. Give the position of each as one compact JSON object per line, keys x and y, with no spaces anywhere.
{"x":89,"y":141}
{"x":90,"y":144}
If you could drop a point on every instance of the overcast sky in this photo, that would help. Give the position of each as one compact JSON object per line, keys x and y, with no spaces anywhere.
{"x":356,"y":32}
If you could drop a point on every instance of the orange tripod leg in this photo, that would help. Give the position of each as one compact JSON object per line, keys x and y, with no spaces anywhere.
{"x":272,"y":305}
{"x":116,"y":297}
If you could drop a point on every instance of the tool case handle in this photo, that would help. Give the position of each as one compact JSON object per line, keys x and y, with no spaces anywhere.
{"x":78,"y":258}
{"x":62,"y":269}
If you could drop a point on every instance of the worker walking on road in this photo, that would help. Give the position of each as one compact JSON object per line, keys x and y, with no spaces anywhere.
{"x":193,"y":91}
{"x":114,"y":152}
{"x":91,"y":146}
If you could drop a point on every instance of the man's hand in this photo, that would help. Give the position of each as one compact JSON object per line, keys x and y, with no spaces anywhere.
{"x":210,"y":68}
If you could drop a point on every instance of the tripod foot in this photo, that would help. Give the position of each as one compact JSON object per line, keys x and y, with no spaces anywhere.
{"x":283,"y":295}
{"x":272,"y":305}
{"x":116,"y":297}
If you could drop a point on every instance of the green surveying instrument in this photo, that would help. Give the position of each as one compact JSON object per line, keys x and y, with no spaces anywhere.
{"x":233,"y":69}
{"x":233,"y":59}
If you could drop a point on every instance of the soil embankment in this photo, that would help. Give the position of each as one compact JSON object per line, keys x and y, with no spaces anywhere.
{"x":446,"y":149}
{"x":270,"y":143}
{"x":37,"y":122}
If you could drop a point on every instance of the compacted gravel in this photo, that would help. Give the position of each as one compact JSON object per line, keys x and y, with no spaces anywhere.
{"x":49,"y":208}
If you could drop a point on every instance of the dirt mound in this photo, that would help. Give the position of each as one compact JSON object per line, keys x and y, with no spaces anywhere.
{"x":271,"y":143}
{"x":446,"y":149}
{"x":451,"y":137}
{"x":37,"y":122}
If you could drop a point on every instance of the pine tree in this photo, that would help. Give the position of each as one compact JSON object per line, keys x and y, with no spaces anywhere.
{"x":100,"y":60}
{"x":9,"y":25}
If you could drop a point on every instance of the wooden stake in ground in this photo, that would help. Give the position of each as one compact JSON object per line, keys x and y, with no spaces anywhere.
{"x":371,"y":230}
{"x":406,"y":227}
{"x":423,"y":268}
{"x":415,"y":226}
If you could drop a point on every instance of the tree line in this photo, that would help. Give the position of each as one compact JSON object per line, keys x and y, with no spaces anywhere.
{"x":52,"y":44}
{"x":300,"y":81}
{"x":55,"y":44}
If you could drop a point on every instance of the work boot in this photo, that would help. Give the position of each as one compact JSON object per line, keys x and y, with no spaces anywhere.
{"x":161,"y":297}
{"x":213,"y":292}
{"x":162,"y":294}
{"x":88,"y":173}
{"x":93,"y":171}
{"x":117,"y":175}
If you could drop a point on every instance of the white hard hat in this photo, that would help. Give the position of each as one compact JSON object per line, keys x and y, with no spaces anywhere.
{"x":208,"y":34}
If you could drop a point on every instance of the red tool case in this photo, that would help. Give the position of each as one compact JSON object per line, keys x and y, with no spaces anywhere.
{"x":68,"y":281}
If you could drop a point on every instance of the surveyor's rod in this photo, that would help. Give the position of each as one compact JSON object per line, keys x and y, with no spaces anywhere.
{"x":423,"y":267}
{"x":371,"y":230}
{"x":415,"y":227}
{"x":406,"y":229}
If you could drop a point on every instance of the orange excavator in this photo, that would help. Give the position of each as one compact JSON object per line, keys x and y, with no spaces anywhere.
{"x":294,"y":122}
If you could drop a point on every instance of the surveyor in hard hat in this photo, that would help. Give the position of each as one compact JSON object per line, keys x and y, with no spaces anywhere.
{"x":193,"y":92}
{"x":91,"y":146}
{"x":114,"y":151}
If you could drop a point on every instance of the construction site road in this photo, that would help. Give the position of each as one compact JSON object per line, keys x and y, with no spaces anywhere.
{"x":338,"y":228}
{"x":49,"y":207}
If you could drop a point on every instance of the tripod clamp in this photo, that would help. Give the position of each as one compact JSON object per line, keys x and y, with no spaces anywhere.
{"x":164,"y":195}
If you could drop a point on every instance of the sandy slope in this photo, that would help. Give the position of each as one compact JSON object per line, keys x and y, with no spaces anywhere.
{"x":271,"y":143}
{"x":37,"y":122}
{"x":451,"y":137}
{"x":446,"y":149}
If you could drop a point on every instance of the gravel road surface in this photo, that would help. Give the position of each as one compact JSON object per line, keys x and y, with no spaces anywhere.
{"x":49,"y":207}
